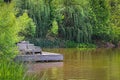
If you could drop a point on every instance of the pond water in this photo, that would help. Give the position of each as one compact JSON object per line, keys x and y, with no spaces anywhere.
{"x":99,"y":64}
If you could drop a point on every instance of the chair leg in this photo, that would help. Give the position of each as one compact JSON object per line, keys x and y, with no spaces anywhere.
{"x":40,"y":52}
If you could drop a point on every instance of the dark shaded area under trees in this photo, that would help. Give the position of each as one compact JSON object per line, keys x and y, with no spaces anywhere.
{"x":7,"y":1}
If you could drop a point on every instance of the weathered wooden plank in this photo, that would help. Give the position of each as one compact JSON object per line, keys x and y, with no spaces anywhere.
{"x":45,"y":56}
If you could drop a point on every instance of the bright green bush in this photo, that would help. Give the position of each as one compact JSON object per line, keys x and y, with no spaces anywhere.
{"x":28,"y":30}
{"x":39,"y":11}
{"x":54,"y":28}
{"x":13,"y":29}
{"x":10,"y":26}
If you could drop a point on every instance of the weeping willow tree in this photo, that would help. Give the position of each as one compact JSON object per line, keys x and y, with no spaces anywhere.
{"x":101,"y":19}
{"x":77,"y":20}
{"x":39,"y":11}
{"x":72,"y":17}
{"x":76,"y":23}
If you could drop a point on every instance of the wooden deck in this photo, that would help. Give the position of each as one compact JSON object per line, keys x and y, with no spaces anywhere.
{"x":45,"y":56}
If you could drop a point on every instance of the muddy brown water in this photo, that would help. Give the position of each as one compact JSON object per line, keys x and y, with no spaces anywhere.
{"x":96,"y":64}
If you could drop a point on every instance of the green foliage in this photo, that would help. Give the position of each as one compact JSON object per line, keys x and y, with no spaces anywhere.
{"x":115,"y":21}
{"x":68,"y":15}
{"x":10,"y":26}
{"x":58,"y":43}
{"x":115,"y":34}
{"x":39,"y":11}
{"x":76,"y":24}
{"x":9,"y":29}
{"x":1,"y":1}
{"x":101,"y":19}
{"x":46,"y":43}
{"x":115,"y":10}
{"x":54,"y":28}
{"x":28,"y":30}
{"x":72,"y":44}
{"x":81,"y":21}
{"x":86,"y":45}
{"x":10,"y":70}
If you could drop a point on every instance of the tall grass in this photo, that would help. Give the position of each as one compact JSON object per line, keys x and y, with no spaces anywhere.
{"x":12,"y":71}
{"x":9,"y":70}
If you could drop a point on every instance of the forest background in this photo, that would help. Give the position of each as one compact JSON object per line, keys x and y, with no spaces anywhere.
{"x":55,"y":24}
{"x":71,"y":23}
